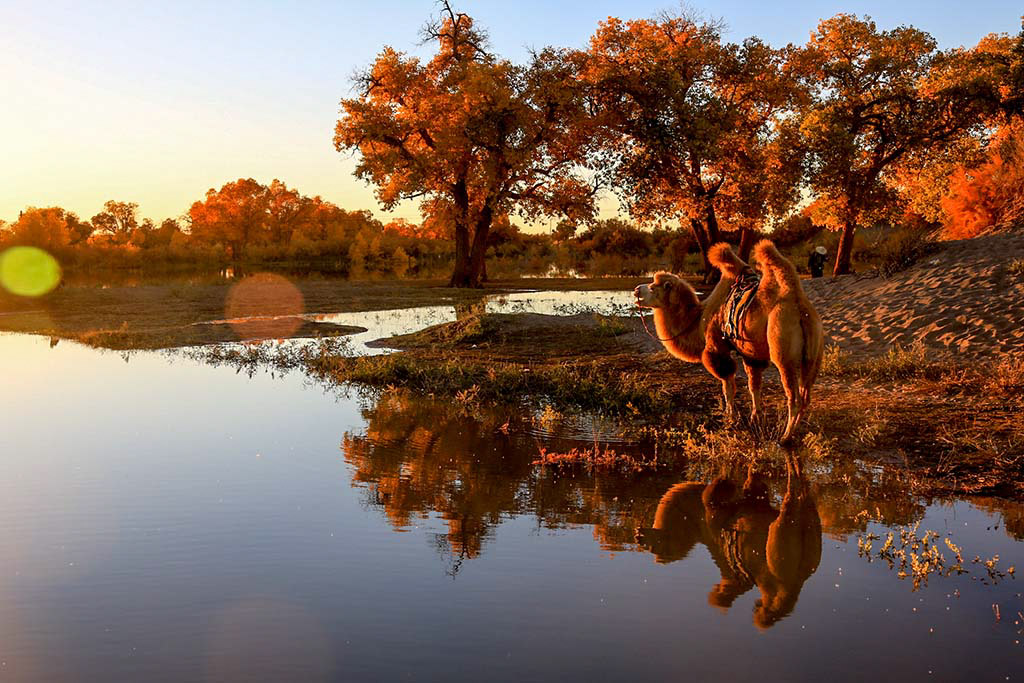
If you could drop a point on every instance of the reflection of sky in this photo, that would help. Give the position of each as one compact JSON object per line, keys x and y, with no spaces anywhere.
{"x":383,"y":324}
{"x":162,"y":519}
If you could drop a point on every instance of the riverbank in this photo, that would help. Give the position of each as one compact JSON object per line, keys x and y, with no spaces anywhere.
{"x":264,"y":306}
{"x":924,"y":370}
{"x":955,"y":426}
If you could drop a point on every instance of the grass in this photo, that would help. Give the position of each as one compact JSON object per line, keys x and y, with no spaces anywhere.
{"x":904,"y":248}
{"x":898,"y":363}
{"x":1002,"y":377}
{"x":916,"y":556}
{"x":584,"y":385}
{"x":1016,"y":268}
{"x":596,"y":457}
{"x":956,"y":427}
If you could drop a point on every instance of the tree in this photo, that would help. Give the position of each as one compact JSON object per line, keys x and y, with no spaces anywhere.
{"x":236,"y":216}
{"x":990,"y":194}
{"x":79,"y":231}
{"x":118,"y":219}
{"x":698,"y":125}
{"x":876,"y":101}
{"x":49,"y":228}
{"x":472,"y":135}
{"x":992,"y":74}
{"x":287,"y":209}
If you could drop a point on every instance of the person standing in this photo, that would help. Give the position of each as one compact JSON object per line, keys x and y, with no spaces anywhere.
{"x":816,"y":261}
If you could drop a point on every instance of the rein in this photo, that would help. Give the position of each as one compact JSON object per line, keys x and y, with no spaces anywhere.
{"x":652,"y":335}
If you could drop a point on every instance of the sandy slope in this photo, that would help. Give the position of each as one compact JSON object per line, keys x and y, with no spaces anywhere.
{"x":963,"y":300}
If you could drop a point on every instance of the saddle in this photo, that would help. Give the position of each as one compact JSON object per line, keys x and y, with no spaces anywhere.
{"x":741,"y":294}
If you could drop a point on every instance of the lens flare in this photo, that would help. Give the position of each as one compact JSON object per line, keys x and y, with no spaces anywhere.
{"x":264,"y":306}
{"x":28,"y":271}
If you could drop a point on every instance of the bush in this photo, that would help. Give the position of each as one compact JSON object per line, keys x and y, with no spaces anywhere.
{"x":905,"y":247}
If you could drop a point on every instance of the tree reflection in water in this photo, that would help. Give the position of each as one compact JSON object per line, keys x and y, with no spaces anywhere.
{"x":472,"y":467}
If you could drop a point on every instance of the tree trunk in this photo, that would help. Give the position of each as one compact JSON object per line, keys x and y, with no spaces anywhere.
{"x":477,"y":259}
{"x":747,"y":239}
{"x":697,"y":228}
{"x":714,"y":235}
{"x":461,"y":274}
{"x":845,"y":251}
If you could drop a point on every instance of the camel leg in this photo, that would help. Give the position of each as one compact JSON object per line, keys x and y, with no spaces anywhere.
{"x":729,"y":392}
{"x":754,"y":385}
{"x":722,"y":366}
{"x":805,"y":393}
{"x":791,"y":385}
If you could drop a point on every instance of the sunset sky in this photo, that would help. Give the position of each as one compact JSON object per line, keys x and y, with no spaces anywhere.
{"x":156,"y":102}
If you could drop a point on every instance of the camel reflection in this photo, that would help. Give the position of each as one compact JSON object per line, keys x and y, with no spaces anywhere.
{"x":752,"y":542}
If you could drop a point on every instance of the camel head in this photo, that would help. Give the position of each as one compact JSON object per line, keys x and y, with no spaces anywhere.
{"x":666,"y":291}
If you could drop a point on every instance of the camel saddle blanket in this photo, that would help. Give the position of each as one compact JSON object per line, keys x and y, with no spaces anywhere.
{"x":741,"y":294}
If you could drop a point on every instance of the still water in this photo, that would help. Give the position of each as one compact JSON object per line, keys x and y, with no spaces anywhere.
{"x":166,"y":520}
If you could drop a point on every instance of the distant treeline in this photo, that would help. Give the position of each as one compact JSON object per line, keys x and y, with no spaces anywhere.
{"x":700,"y":139}
{"x":273,"y":226}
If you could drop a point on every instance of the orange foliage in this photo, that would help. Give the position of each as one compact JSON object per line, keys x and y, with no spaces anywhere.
{"x":988,"y":196}
{"x":473,"y":136}
{"x":49,"y":228}
{"x":879,"y":97}
{"x":700,"y":132}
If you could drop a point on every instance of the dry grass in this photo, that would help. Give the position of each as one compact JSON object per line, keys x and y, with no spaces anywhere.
{"x":597,"y":457}
{"x":919,"y":556}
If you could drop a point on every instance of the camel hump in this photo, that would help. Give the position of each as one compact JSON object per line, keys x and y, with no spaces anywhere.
{"x":722,"y":257}
{"x":777,"y":266}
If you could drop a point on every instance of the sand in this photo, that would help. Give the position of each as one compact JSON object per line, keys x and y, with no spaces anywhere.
{"x":966,"y":300}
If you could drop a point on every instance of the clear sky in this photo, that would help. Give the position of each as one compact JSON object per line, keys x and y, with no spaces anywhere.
{"x":156,"y":102}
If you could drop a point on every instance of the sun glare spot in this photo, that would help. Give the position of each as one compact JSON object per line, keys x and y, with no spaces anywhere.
{"x":28,"y":271}
{"x":264,"y":306}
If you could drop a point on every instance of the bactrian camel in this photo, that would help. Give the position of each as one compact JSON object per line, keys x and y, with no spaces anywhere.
{"x":772,"y":323}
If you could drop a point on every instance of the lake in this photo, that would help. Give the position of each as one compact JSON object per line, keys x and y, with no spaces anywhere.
{"x":167,"y":520}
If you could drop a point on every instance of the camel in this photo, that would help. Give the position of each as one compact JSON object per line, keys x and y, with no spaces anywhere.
{"x":753,"y":543}
{"x":779,"y":326}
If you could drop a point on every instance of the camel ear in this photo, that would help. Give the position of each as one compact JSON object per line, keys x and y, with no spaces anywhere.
{"x":667,"y":284}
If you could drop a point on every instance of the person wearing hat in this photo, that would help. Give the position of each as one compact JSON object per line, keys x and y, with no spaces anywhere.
{"x":816,"y":261}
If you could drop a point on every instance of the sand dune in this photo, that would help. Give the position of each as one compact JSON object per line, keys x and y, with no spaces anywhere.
{"x":966,"y":299}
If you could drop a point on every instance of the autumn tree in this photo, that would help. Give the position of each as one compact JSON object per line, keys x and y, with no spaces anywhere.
{"x":990,"y":194}
{"x":234,"y":216}
{"x":118,"y":219}
{"x":876,"y":101}
{"x":49,"y":228}
{"x":245,"y":212}
{"x":699,"y":126}
{"x":991,"y":74}
{"x":969,"y":186}
{"x":474,"y":136}
{"x":287,"y":209}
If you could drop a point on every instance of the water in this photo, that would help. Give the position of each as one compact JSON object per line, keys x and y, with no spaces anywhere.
{"x":165,"y":520}
{"x":384,"y":324}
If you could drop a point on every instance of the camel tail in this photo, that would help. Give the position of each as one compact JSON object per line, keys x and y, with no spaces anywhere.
{"x":777,"y":266}
{"x":722,"y":257}
{"x":814,"y":348}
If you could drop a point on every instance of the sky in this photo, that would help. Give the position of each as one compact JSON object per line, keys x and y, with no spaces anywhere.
{"x":157,"y":102}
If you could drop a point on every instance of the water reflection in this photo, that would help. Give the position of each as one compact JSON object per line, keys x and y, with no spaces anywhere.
{"x":473,"y":469}
{"x":762,"y":525}
{"x":208,"y":529}
{"x":753,"y":543}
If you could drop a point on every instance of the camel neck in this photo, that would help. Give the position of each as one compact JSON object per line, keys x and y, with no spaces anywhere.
{"x":682,"y":330}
